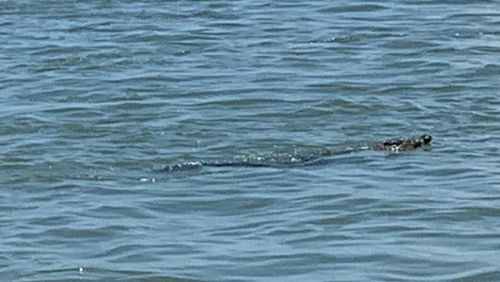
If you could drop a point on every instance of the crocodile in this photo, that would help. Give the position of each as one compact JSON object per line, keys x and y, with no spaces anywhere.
{"x":397,"y":145}
{"x":314,"y":158}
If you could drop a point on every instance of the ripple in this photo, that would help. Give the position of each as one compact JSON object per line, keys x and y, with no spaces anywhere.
{"x":99,"y":98}
{"x":353,"y":8}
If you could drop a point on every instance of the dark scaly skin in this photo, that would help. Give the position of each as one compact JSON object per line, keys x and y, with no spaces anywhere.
{"x":394,"y":145}
{"x":397,"y":145}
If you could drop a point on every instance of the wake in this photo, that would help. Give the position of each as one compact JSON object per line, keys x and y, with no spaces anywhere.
{"x":276,"y":160}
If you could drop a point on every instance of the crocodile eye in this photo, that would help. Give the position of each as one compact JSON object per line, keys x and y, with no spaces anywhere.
{"x":426,"y":138}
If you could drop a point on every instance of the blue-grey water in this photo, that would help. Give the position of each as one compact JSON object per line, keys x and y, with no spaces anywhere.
{"x":99,"y":97}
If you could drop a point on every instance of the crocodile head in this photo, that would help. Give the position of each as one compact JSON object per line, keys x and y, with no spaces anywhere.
{"x":426,"y":138}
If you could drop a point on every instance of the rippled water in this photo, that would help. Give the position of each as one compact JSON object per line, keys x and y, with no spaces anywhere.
{"x":98,"y":97}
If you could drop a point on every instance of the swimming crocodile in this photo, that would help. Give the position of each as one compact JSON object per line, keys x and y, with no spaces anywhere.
{"x":318,"y":157}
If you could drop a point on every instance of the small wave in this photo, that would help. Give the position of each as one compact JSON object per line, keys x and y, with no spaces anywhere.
{"x":183,"y":166}
{"x":354,"y":8}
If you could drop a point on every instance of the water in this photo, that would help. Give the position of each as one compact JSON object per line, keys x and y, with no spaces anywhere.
{"x":99,"y":96}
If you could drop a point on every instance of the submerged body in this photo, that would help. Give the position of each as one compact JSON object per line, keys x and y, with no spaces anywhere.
{"x":315,"y":158}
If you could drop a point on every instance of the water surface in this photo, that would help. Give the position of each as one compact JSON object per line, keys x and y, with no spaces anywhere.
{"x":99,"y":96}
